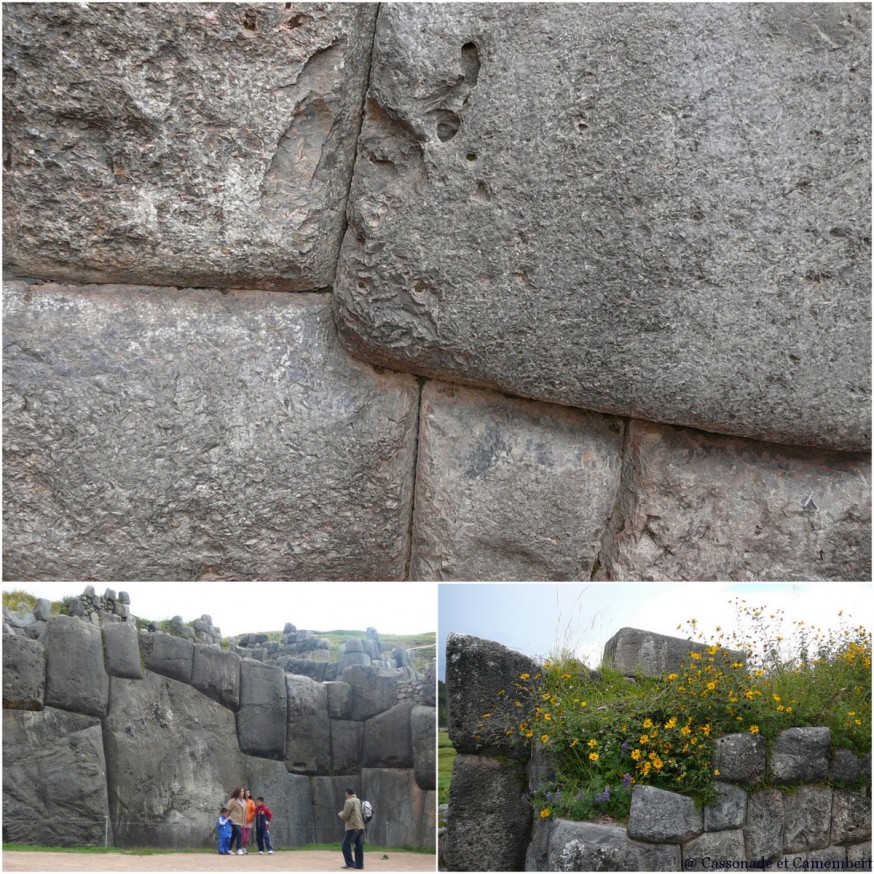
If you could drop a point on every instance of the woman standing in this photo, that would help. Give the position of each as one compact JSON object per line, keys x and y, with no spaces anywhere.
{"x":237,"y":814}
{"x":250,"y":816}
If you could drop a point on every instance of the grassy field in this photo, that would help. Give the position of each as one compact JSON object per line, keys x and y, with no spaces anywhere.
{"x":445,"y":757}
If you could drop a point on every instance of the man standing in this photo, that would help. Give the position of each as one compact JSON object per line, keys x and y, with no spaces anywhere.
{"x":354,"y":835}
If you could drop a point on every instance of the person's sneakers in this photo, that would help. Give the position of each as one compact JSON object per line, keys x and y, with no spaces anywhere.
{"x":270,"y":852}
{"x":240,"y":852}
{"x":260,"y":852}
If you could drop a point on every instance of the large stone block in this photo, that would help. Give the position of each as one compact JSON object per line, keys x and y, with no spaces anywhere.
{"x":288,"y":796}
{"x":216,"y":673}
{"x":807,"y":819}
{"x":740,"y":758}
{"x":328,"y":799}
{"x":695,"y":506}
{"x":24,"y":673}
{"x":339,"y":699}
{"x":373,"y":690}
{"x":565,"y":202}
{"x":477,"y":671}
{"x":76,"y":678}
{"x":728,"y":810}
{"x":164,"y":434}
{"x":404,"y":814}
{"x":489,"y":820}
{"x":423,"y":735}
{"x":800,"y":755}
{"x":388,"y":740}
{"x":346,"y":744}
{"x":168,"y":655}
{"x":725,"y":847}
{"x":207,"y":145}
{"x":261,"y":719}
{"x":121,"y":650}
{"x":308,"y":732}
{"x":851,"y":816}
{"x":763,"y":832}
{"x":172,"y":758}
{"x":54,"y":779}
{"x":508,"y":489}
{"x":660,"y":817}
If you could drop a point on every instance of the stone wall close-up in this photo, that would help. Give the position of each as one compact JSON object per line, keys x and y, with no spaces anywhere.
{"x":436,"y":291}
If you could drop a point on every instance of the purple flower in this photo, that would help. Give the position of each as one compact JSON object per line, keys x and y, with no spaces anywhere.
{"x":625,"y":746}
{"x":602,"y":797}
{"x":626,"y":780}
{"x":549,"y":797}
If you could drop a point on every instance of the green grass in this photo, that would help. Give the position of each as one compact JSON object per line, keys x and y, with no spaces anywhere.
{"x":445,"y":757}
{"x":17,"y":598}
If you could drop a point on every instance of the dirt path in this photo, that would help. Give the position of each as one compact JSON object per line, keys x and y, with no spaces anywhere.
{"x":301,"y":860}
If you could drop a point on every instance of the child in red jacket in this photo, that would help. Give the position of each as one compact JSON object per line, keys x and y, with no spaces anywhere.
{"x":263,"y":818}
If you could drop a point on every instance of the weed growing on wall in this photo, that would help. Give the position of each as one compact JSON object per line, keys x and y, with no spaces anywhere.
{"x":604,"y":733}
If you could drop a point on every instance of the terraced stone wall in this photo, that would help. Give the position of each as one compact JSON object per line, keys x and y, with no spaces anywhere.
{"x":414,"y":291}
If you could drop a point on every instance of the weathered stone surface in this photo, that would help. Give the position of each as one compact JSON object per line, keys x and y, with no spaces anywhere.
{"x":489,"y":821}
{"x":172,"y":758}
{"x":216,"y":673}
{"x":728,"y":811}
{"x":851,"y":816}
{"x":328,"y":798}
{"x":346,"y":742}
{"x":801,"y":755}
{"x":206,"y":146}
{"x":720,"y":847}
{"x":168,"y":655}
{"x":659,"y":817}
{"x":288,"y":796}
{"x":844,"y":766}
{"x":508,"y":489}
{"x":423,"y":736}
{"x":695,"y":506}
{"x":121,"y":650}
{"x":308,"y":733}
{"x":476,"y":671}
{"x":387,"y":739}
{"x":339,"y":699}
{"x":633,"y":651}
{"x":807,"y":819}
{"x":740,"y":758}
{"x":163,"y":434}
{"x":373,"y":691}
{"x":54,"y":779}
{"x":24,"y":673}
{"x":404,"y":809}
{"x":75,"y":676}
{"x":763,"y":832}
{"x":263,"y":710}
{"x":611,"y":223}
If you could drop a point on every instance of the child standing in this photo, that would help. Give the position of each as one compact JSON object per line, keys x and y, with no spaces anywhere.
{"x":263,"y":818}
{"x":223,"y":826}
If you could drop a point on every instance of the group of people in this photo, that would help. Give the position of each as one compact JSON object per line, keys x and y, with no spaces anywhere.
{"x":236,"y":820}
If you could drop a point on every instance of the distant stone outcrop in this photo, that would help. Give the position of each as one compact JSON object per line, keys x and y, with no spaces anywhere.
{"x":135,"y":738}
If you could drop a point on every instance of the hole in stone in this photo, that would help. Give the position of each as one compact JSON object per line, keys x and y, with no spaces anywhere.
{"x":470,"y":156}
{"x":250,"y":20}
{"x":296,"y":20}
{"x":470,"y":63}
{"x":448,"y":124}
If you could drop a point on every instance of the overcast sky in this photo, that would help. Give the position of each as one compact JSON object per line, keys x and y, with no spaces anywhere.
{"x":540,"y":618}
{"x":390,"y":608}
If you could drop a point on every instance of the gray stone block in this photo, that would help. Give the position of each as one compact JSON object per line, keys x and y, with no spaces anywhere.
{"x":403,"y":808}
{"x":164,"y":422}
{"x":328,"y":798}
{"x":564,"y":203}
{"x":339,"y":699}
{"x":121,"y":650}
{"x":288,"y":796}
{"x":216,"y":673}
{"x":54,"y":779}
{"x":844,"y":766}
{"x":722,"y":847}
{"x":43,"y":610}
{"x":697,"y":506}
{"x":660,"y":817}
{"x":346,"y":746}
{"x":388,"y":740}
{"x":423,"y":735}
{"x":851,"y":816}
{"x":800,"y":755}
{"x":763,"y":832}
{"x":262,"y":717}
{"x":508,"y":489}
{"x":373,"y":691}
{"x":206,"y":146}
{"x":807,"y":819}
{"x":489,"y":820}
{"x":308,"y":732}
{"x":24,"y":673}
{"x":76,"y":678}
{"x":740,"y":758}
{"x":168,"y":655}
{"x":476,"y":671}
{"x":728,"y":811}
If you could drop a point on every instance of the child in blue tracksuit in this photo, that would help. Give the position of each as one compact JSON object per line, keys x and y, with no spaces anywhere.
{"x":225,"y":831}
{"x":263,"y":817}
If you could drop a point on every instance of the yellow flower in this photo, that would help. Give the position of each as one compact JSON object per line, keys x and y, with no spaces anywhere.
{"x":754,"y":729}
{"x":584,"y":704}
{"x":672,"y":676}
{"x":657,"y":763}
{"x":647,"y":723}
{"x":711,"y":650}
{"x":776,"y":697}
{"x":685,"y":730}
{"x":736,"y":665}
{"x":524,"y":676}
{"x":593,"y":757}
{"x":547,"y":717}
{"x":695,"y":655}
{"x":593,"y":743}
{"x":503,"y":691}
{"x":644,"y":738}
{"x":545,"y":813}
{"x":517,"y":703}
{"x":711,"y":685}
{"x":716,"y":773}
{"x":671,"y":723}
{"x":574,"y":742}
{"x":544,"y":738}
{"x":635,"y":754}
{"x":565,"y":676}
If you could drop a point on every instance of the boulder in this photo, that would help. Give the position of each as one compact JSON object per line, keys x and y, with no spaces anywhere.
{"x":121,"y":650}
{"x":508,"y":489}
{"x":763,"y":832}
{"x":373,"y":691}
{"x":659,"y":817}
{"x":571,"y":206}
{"x":346,"y":745}
{"x":54,"y":779}
{"x":185,"y":435}
{"x":43,"y":610}
{"x":728,"y":811}
{"x":261,"y":719}
{"x":308,"y":732}
{"x":851,"y":816}
{"x":206,"y":145}
{"x":168,"y":655}
{"x":476,"y":673}
{"x":328,"y":794}
{"x":353,"y":658}
{"x":697,"y":506}
{"x":24,"y":673}
{"x":216,"y":673}
{"x":800,"y":755}
{"x":807,"y":819}
{"x":423,"y":735}
{"x":76,"y":678}
{"x":844,"y":766}
{"x":489,"y":819}
{"x":388,"y":740}
{"x":740,"y":758}
{"x":404,"y":814}
{"x":172,"y":758}
{"x":339,"y":699}
{"x":725,"y":846}
{"x":288,"y":796}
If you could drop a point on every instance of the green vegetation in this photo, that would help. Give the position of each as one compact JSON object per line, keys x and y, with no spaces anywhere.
{"x":445,"y":757}
{"x":442,"y":705}
{"x":17,"y":599}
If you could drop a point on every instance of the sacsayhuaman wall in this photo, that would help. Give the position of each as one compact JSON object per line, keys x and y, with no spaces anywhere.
{"x":126,"y":738}
{"x":810,"y":814}
{"x":449,"y":291}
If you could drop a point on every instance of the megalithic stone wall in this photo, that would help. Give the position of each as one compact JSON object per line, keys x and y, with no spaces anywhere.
{"x":592,"y":231}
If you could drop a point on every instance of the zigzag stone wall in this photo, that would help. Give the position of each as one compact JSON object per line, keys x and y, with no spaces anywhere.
{"x":604,"y":271}
{"x":811,"y":816}
{"x":135,"y":739}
